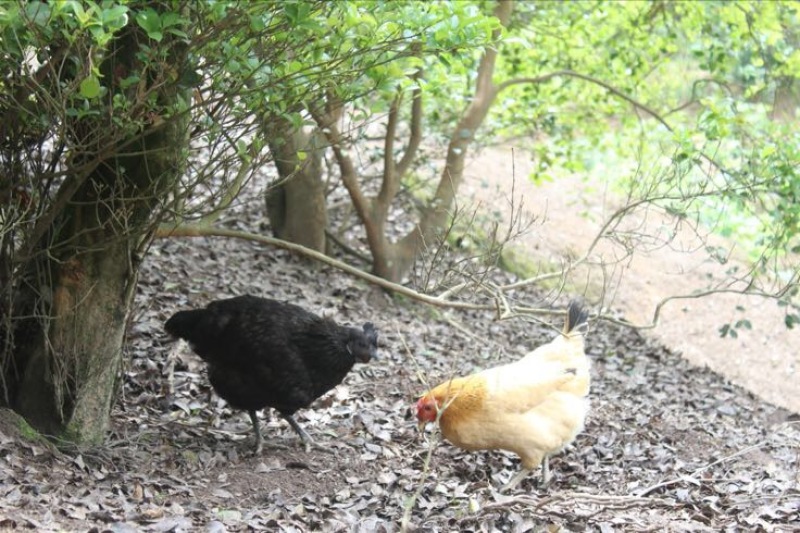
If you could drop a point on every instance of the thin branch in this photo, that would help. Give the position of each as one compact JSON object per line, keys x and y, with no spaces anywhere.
{"x":499,"y":305}
{"x":346,"y":247}
{"x":390,"y":184}
{"x":610,"y":88}
{"x":426,"y":464}
{"x":701,"y":294}
{"x":415,"y":125}
{"x":571,"y":73}
{"x":463,"y":134}
{"x":691,"y":477}
{"x":327,"y":124}
{"x":204,"y":231}
{"x":573,"y":498}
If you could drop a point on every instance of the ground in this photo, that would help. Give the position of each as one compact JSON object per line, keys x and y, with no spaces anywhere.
{"x":670,"y":445}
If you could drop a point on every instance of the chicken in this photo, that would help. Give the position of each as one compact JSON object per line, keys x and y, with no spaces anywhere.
{"x":533,"y":407}
{"x":264,"y":353}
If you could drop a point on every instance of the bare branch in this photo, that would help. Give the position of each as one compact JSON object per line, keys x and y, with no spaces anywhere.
{"x":415,"y":137}
{"x":749,"y":291}
{"x":201,"y":231}
{"x":573,"y":498}
{"x":571,"y":73}
{"x":610,"y":88}
{"x":391,"y":179}
{"x":463,"y":134}
{"x":327,"y":124}
{"x":692,"y":477}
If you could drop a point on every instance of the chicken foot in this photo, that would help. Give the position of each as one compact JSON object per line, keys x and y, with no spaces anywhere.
{"x":545,"y":471}
{"x":308,"y":442}
{"x":257,"y":430}
{"x":514,"y":481}
{"x":525,"y":471}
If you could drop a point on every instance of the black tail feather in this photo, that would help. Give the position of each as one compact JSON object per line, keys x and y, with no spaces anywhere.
{"x":576,"y":315}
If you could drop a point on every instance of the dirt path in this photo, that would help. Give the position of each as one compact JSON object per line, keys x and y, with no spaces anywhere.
{"x":765,"y":359}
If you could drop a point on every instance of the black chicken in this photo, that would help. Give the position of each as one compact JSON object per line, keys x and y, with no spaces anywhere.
{"x":264,"y":353}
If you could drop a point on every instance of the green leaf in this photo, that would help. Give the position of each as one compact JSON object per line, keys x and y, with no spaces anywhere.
{"x":257,"y":23}
{"x":38,"y":12}
{"x":150,"y":21}
{"x":178,"y":33}
{"x":90,"y":87}
{"x":115,"y":18}
{"x":129,"y":81}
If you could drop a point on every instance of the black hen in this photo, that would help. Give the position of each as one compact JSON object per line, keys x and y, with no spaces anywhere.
{"x":264,"y":353}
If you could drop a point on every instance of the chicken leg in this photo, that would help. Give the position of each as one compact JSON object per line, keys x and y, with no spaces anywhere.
{"x":292,"y":422}
{"x":308,"y":442}
{"x":256,"y":429}
{"x":545,"y":471}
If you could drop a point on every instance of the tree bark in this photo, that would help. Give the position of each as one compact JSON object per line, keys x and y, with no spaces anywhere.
{"x":296,"y":208}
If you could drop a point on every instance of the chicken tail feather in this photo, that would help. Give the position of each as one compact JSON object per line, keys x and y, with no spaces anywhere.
{"x":576,"y":316}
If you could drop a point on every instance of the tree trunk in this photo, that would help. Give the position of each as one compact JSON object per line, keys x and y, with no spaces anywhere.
{"x":296,"y":208}
{"x":399,"y":257}
{"x":79,"y":279}
{"x":70,"y":365}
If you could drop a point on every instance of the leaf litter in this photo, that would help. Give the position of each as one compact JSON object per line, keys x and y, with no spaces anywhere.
{"x":666,"y":446}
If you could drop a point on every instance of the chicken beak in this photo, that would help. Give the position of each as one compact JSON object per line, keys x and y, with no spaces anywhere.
{"x":421,"y":425}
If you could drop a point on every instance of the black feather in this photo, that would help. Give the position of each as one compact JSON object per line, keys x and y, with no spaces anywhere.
{"x":264,"y":353}
{"x":576,"y":316}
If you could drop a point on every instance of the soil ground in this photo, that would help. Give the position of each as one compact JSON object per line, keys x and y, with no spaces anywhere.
{"x":668,"y":446}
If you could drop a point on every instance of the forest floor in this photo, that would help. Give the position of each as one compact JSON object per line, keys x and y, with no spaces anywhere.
{"x":670,"y":444}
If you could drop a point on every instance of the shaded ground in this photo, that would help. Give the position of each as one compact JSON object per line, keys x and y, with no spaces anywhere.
{"x":668,"y":446}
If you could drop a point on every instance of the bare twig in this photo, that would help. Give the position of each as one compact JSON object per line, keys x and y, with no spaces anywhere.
{"x":610,"y":88}
{"x":574,"y":498}
{"x":408,"y":507}
{"x":202,"y":231}
{"x":499,"y":304}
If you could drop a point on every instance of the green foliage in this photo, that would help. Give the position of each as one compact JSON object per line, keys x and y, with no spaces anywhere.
{"x":792,"y":316}
{"x":713,"y":71}
{"x":692,"y":101}
{"x":245,"y":62}
{"x":156,"y":24}
{"x":732,"y":330}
